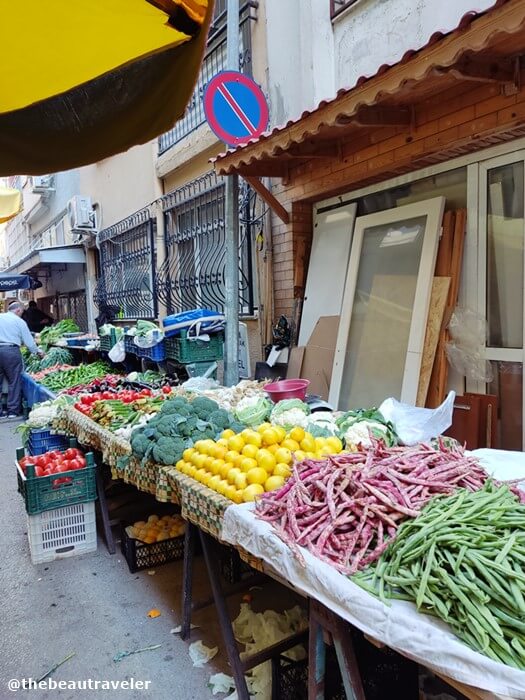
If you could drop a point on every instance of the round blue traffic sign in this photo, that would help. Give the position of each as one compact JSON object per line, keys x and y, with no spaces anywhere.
{"x":235,"y":108}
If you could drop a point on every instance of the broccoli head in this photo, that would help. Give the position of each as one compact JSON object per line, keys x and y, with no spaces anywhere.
{"x":220,"y":418}
{"x":168,"y":451}
{"x":140,"y":443}
{"x":204,"y":405}
{"x":190,"y":424}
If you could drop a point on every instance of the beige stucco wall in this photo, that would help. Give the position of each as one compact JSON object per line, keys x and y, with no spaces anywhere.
{"x":122,"y":184}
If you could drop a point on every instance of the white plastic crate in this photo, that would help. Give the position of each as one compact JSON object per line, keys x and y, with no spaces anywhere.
{"x":64,"y":532}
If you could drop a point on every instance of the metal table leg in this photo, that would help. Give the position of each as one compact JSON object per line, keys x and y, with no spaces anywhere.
{"x":316,"y":661}
{"x":103,"y":509}
{"x":187,"y":578}
{"x":224,"y":618}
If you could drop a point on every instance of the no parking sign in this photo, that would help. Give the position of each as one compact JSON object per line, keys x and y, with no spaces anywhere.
{"x":235,"y":108}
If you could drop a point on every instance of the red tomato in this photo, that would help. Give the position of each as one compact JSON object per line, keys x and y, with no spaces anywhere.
{"x":41,"y":461}
{"x":65,"y":466}
{"x":54,"y":454}
{"x":70,"y":453}
{"x":166,"y":390}
{"x":82,"y":461}
{"x":39,"y":471}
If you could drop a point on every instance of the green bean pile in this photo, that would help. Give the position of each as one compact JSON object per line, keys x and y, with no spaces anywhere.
{"x":462,"y":560}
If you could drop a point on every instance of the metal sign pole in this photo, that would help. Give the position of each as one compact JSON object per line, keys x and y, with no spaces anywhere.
{"x":231,"y":354}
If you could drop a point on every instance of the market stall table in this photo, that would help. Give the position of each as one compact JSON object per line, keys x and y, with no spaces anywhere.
{"x":398,"y":626}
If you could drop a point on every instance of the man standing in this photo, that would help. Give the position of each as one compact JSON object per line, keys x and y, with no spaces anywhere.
{"x":36,"y":319}
{"x":14,"y":333}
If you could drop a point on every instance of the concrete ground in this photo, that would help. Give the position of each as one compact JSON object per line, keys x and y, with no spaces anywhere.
{"x":93,"y":607}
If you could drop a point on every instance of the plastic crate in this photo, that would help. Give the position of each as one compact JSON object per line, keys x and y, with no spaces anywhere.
{"x":186,"y":351}
{"x":62,"y":532}
{"x":141,"y":555}
{"x":41,"y":441}
{"x":49,"y":492}
{"x":77,"y":342}
{"x":157,"y":353}
{"x":129,"y":345}
{"x":106,"y":342}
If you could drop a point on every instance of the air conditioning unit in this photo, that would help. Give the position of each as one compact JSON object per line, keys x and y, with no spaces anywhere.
{"x":81,"y":214}
{"x":42,"y":184}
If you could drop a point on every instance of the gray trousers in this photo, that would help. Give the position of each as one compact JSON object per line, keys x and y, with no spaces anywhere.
{"x":12,"y":366}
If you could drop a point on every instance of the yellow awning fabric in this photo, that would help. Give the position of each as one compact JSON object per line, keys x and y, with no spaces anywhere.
{"x":10,"y":203}
{"x":82,"y":80}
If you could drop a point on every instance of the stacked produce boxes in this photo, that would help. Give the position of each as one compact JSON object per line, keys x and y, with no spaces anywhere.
{"x":59,"y":490}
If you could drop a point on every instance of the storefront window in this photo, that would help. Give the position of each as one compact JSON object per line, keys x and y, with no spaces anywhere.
{"x":505,"y":240}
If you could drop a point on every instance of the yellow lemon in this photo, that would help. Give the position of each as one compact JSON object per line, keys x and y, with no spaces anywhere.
{"x":223,"y":471}
{"x":186,"y":468}
{"x":198,"y":446}
{"x":226,"y":434}
{"x":241,"y":482}
{"x":237,"y":496}
{"x":250,"y":450}
{"x":230,"y":492}
{"x":180,"y":464}
{"x":319,"y":443}
{"x":273,"y":448}
{"x":209,"y":463}
{"x":311,"y":455}
{"x":222,"y":486}
{"x":253,"y":438}
{"x":335,"y":443}
{"x":307,"y":443}
{"x":214,"y":482}
{"x":290,"y":444}
{"x":281,"y":432}
{"x":299,"y":455}
{"x":263,"y":427}
{"x":282,"y":470}
{"x":283,"y":454}
{"x":270,"y":436}
{"x":200,"y":475}
{"x":236,"y":443}
{"x":232,"y":473}
{"x":223,"y":442}
{"x":212,"y":450}
{"x":221,"y":450}
{"x":257,"y":475}
{"x":199,"y":460}
{"x":247,"y":463}
{"x":216,"y":466}
{"x":266,"y":461}
{"x":251,"y":492}
{"x":326,"y":450}
{"x":192,"y":471}
{"x":297,"y":434}
{"x":273,"y":482}
{"x":206,"y":479}
{"x":188,"y":453}
{"x":231,"y":456}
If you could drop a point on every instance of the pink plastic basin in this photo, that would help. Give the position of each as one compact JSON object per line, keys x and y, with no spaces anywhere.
{"x":287,"y":389}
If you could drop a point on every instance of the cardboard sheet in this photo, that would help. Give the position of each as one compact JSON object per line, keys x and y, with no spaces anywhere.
{"x":419,"y":637}
{"x":318,"y":357}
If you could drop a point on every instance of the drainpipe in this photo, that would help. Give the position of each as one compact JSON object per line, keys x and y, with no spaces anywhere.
{"x":231,"y":348}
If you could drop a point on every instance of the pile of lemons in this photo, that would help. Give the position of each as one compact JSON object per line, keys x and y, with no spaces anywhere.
{"x":156,"y":529}
{"x":243,"y":466}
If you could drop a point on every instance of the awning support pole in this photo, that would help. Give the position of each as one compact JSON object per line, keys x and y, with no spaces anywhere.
{"x":268,"y":197}
{"x":231,"y":346}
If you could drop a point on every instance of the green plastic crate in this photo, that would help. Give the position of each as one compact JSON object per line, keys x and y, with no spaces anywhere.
{"x":49,"y":492}
{"x":185,"y":351}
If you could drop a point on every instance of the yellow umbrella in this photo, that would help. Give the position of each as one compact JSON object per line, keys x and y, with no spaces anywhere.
{"x":10,"y":203}
{"x":83,"y":80}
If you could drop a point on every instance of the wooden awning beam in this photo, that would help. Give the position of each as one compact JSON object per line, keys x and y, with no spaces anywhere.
{"x":485,"y":69}
{"x":268,"y":197}
{"x":378,"y":116}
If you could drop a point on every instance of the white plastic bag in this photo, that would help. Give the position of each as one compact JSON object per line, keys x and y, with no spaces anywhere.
{"x":149,"y":339}
{"x":117,"y":352}
{"x":414,"y":425}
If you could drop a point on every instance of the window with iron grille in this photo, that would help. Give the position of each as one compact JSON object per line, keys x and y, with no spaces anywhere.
{"x":193,"y":273}
{"x":73,"y":305}
{"x":213,"y":62}
{"x":127,"y":265}
{"x":337,"y":6}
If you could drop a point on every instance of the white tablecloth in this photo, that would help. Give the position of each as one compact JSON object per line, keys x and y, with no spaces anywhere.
{"x":399,"y":626}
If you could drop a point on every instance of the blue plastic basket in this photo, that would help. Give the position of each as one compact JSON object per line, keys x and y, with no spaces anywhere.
{"x":157,"y":353}
{"x":42,"y":441}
